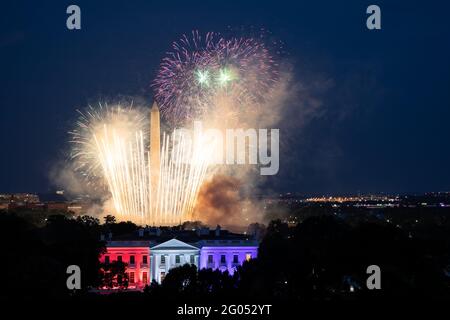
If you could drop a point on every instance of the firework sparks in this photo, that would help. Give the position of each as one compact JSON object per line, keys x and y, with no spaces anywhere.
{"x":110,"y":148}
{"x":201,"y":69}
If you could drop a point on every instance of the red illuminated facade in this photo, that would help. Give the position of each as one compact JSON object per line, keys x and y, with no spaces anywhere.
{"x":136,"y":254}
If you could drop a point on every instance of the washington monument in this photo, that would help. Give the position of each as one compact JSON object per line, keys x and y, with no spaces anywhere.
{"x":155,"y":151}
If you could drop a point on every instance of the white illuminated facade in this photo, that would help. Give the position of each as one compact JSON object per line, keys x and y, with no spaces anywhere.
{"x":171,"y":254}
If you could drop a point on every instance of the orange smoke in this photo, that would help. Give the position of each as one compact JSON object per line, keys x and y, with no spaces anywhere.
{"x":219,"y":201}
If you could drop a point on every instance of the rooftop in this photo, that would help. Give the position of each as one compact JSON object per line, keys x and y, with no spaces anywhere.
{"x":150,"y":237}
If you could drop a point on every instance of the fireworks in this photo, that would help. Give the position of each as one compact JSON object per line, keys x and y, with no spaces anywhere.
{"x":110,"y":149}
{"x":184,"y":165}
{"x":200,"y":71}
{"x":201,"y":76}
{"x":104,"y":124}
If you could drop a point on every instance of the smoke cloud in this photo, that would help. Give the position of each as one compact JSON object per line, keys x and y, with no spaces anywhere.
{"x":220,"y":201}
{"x":230,"y":196}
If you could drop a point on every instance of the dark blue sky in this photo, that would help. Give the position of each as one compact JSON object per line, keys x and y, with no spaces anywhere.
{"x":383,"y":124}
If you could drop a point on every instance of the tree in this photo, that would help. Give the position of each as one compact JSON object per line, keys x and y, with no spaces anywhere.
{"x":122,"y":228}
{"x":181,"y":280}
{"x":49,"y":251}
{"x":189,"y":225}
{"x":216,"y":284}
{"x":257,"y":230}
{"x":88,"y":221}
{"x":113,"y":275}
{"x":75,"y":242}
{"x":109,"y":219}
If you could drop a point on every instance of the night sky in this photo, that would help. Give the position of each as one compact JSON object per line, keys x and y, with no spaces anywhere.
{"x":383,"y":121}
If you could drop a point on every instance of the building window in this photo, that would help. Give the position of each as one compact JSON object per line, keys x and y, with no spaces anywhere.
{"x":144,"y":259}
{"x":144,"y":277}
{"x":223,"y":259}
{"x":106,"y":259}
{"x":132,"y":260}
{"x":163,"y":259}
{"x":177,"y":259}
{"x":192,"y":259}
{"x":131,"y":277}
{"x":235,"y":259}
{"x":210,"y":259}
{"x":248,"y":256}
{"x":119,"y":258}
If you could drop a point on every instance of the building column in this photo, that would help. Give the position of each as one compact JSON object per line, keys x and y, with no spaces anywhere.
{"x":137,"y":274}
{"x":150,"y":261}
{"x":216,"y":260}
{"x":155,"y":269}
{"x":167,"y":263}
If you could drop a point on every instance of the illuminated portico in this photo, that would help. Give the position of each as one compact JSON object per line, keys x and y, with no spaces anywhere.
{"x":171,"y":254}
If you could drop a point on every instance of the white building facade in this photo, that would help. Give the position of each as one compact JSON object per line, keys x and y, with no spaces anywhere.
{"x":171,"y":254}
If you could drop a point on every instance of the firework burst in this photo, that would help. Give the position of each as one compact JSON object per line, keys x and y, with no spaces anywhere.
{"x":204,"y":71}
{"x":103,"y":123}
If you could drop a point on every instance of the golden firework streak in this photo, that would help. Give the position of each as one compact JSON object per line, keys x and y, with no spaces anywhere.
{"x":155,"y":187}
